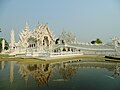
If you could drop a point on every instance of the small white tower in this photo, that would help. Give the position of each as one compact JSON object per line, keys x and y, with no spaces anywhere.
{"x":3,"y":45}
{"x":12,"y":39}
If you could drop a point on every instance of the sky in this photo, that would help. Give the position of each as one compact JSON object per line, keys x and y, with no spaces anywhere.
{"x":87,"y":19}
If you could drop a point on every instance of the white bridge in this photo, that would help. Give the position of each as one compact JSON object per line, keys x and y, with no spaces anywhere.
{"x":86,"y":49}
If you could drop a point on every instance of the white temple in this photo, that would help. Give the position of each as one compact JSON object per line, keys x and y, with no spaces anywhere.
{"x":39,"y":40}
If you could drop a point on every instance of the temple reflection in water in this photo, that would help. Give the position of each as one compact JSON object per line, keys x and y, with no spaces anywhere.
{"x":42,"y":74}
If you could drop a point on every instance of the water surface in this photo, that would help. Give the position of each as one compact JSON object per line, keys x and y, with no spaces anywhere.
{"x":61,"y":76}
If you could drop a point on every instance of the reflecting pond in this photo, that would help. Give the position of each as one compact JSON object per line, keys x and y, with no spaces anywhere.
{"x":60,"y":76}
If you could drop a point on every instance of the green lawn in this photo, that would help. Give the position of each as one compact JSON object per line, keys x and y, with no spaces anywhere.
{"x":4,"y":55}
{"x":40,"y":61}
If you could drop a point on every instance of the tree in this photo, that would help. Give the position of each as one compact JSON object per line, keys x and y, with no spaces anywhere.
{"x":98,"y":41}
{"x":93,"y":42}
{"x":0,"y":30}
{"x":6,"y":44}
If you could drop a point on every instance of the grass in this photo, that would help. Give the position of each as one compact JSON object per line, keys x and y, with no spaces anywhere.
{"x":79,"y":57}
{"x":40,"y":61}
{"x":4,"y":55}
{"x":112,"y":60}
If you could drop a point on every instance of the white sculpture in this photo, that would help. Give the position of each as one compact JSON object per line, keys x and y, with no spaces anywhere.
{"x":12,"y":40}
{"x":68,"y":37}
{"x":3,"y":45}
{"x":116,"y":41}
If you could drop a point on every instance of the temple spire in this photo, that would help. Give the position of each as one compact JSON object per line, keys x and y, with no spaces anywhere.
{"x":26,"y":27}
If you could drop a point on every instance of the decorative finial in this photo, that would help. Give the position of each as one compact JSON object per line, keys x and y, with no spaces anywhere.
{"x":26,"y":27}
{"x":26,"y":23}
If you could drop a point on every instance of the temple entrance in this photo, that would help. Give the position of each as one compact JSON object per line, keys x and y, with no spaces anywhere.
{"x":32,"y":42}
{"x":45,"y":41}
